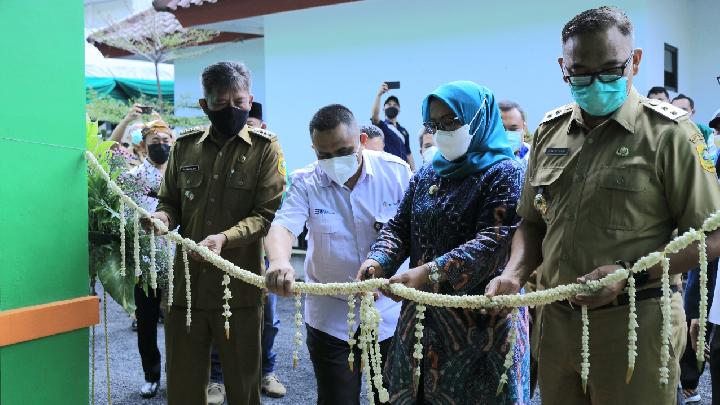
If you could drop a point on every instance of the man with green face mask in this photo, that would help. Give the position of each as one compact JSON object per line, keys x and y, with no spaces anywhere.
{"x":610,"y":178}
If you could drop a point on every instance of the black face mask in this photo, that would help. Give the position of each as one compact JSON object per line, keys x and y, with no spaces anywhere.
{"x":392,"y":112}
{"x":229,"y":121}
{"x":159,"y":153}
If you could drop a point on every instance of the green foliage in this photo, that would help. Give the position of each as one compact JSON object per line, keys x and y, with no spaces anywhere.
{"x":113,"y":111}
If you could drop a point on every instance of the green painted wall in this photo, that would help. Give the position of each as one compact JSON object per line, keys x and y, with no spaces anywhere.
{"x":43,"y":193}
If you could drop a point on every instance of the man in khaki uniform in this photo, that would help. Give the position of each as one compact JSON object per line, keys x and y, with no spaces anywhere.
{"x":222,"y":187}
{"x":609,"y":180}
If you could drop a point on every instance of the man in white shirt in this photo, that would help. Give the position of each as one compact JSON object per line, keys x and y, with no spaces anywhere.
{"x":344,"y":198}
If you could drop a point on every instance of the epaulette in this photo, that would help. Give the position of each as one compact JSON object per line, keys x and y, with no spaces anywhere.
{"x":667,"y":110}
{"x":558,"y":112}
{"x":263,"y":133}
{"x":197,"y":130}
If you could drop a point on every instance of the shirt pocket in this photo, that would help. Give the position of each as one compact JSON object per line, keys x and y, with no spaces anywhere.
{"x":620,"y":199}
{"x":327,"y":243}
{"x":190,"y":184}
{"x":239,"y":194}
{"x":545,"y":189}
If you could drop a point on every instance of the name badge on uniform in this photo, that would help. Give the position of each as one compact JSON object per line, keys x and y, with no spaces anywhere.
{"x":190,"y":168}
{"x":557,"y":151}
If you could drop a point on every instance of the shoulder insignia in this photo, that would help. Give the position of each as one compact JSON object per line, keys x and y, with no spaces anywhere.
{"x":263,"y":133}
{"x":558,"y":112}
{"x":192,"y":131}
{"x":705,"y":157}
{"x":667,"y":110}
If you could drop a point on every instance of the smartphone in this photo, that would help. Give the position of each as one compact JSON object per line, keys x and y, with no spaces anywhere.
{"x":393,"y":85}
{"x":146,"y":110}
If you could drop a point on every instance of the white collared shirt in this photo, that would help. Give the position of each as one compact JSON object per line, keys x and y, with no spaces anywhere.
{"x":342,"y":226}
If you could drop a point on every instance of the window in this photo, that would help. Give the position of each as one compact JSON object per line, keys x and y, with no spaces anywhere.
{"x":671,"y":67}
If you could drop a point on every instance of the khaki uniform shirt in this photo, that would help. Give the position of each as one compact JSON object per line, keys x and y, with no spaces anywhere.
{"x":618,"y":191}
{"x":233,"y":188}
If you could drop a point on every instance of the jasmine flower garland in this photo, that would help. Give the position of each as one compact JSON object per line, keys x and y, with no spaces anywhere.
{"x":226,"y":306}
{"x":585,"y":365}
{"x":632,"y":332}
{"x":136,"y":245}
{"x":418,"y":353}
{"x":511,"y":343}
{"x":153,"y":267}
{"x":351,"y":330}
{"x":666,"y":327}
{"x":171,"y":272}
{"x":188,"y":296}
{"x":122,"y":238}
{"x":298,"y":325}
{"x":700,"y":352}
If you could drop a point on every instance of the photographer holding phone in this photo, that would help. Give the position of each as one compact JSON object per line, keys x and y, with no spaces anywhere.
{"x":397,"y":138}
{"x":134,"y":145}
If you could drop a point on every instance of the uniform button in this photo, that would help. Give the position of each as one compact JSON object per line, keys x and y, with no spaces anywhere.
{"x":571,"y":217}
{"x":620,"y":180}
{"x":212,"y":200}
{"x":209,"y":223}
{"x":187,"y":181}
{"x":215,"y":176}
{"x":219,"y":154}
{"x":242,"y":159}
{"x":240,"y":183}
{"x":590,"y":140}
{"x":579,"y":177}
{"x":564,"y":256}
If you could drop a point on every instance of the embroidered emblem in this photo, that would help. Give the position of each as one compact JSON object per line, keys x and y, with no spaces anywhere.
{"x":706,"y":160}
{"x":282,"y":166}
{"x":189,"y":195}
{"x":540,"y":204}
{"x":622,"y":151}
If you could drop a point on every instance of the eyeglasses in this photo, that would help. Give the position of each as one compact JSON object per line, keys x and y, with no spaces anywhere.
{"x":448,"y":122}
{"x":718,"y":79}
{"x":605,"y":76}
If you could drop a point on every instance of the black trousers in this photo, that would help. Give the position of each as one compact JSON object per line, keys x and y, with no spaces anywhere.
{"x":336,"y":384}
{"x":148,"y":314}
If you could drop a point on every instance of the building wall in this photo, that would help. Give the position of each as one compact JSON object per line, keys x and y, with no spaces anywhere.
{"x":101,"y":13}
{"x":341,"y":54}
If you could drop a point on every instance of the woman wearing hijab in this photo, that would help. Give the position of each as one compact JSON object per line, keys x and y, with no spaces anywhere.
{"x":456,"y":223}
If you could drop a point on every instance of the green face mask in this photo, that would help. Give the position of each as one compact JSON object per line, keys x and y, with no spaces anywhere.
{"x":600,"y":99}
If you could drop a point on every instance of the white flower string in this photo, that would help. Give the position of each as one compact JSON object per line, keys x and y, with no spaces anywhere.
{"x":702,"y":250}
{"x":351,"y":330}
{"x":666,"y":327}
{"x":122,"y":239}
{"x":372,"y":321}
{"x":511,"y":343}
{"x":418,"y":352}
{"x":558,"y":293}
{"x":153,"y":266}
{"x":226,"y":306}
{"x":171,"y":272}
{"x":188,"y":296}
{"x":585,"y":366}
{"x":136,"y":246}
{"x":632,"y":329}
{"x":298,"y":331}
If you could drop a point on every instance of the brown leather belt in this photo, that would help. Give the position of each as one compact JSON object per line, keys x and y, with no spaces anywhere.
{"x":624,"y":299}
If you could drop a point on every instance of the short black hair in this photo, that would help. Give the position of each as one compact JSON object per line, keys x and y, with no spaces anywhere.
{"x":658,"y":90}
{"x":226,"y":75}
{"x":372,"y":131}
{"x":684,"y":97}
{"x":507,"y":105}
{"x":329,"y":117}
{"x":392,"y":98}
{"x":597,"y":20}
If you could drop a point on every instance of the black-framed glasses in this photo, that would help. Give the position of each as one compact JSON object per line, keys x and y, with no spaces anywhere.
{"x":605,"y":76}
{"x":718,"y":79}
{"x":448,"y":122}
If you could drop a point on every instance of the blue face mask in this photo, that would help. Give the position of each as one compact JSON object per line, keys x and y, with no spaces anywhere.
{"x":600,"y":99}
{"x":137,"y":137}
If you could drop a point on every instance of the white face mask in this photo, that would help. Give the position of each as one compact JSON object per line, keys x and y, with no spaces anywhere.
{"x":516,"y":139}
{"x":429,"y":153}
{"x":453,"y":144}
{"x":341,"y":168}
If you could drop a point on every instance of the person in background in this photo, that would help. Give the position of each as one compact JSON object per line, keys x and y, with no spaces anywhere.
{"x":344,"y":198}
{"x":513,"y":119}
{"x":428,"y":149}
{"x":128,"y":134}
{"x":376,"y":138}
{"x":157,"y":140}
{"x":659,"y":93}
{"x":686,"y":103}
{"x":270,"y":385}
{"x":397,"y":139}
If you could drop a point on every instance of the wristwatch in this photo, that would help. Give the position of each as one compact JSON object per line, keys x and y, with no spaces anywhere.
{"x":434,"y":275}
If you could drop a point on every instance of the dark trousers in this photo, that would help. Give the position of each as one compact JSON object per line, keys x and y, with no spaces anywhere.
{"x":336,"y":384}
{"x":270,"y":330}
{"x":148,"y":314}
{"x":689,"y":371}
